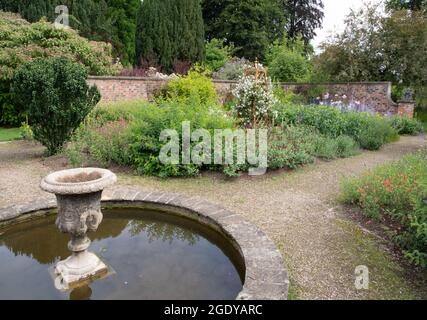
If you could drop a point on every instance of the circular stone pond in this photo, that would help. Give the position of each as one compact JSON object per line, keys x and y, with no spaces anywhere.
{"x":154,"y":256}
{"x":157,"y":245}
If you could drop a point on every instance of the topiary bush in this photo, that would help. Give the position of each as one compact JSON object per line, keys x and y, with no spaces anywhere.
{"x":57,"y":97}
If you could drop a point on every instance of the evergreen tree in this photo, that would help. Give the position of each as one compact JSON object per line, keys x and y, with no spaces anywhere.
{"x":304,"y":17}
{"x":170,"y":32}
{"x":250,"y":25}
{"x":124,"y":14}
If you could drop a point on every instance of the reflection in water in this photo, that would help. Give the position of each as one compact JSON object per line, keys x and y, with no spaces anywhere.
{"x":162,"y":231}
{"x":82,"y":293}
{"x":47,"y":243}
{"x":154,"y":256}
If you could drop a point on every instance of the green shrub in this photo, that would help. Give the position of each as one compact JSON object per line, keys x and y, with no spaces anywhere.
{"x":369,"y":131}
{"x":287,"y":62}
{"x":196,"y":87}
{"x":10,"y":114}
{"x":375,"y":135}
{"x":326,"y":148}
{"x":254,"y":100}
{"x":21,"y":42}
{"x":398,"y":192}
{"x":347,"y":147}
{"x":26,"y":132}
{"x":217,"y":55}
{"x":421,"y":115}
{"x":290,"y":147}
{"x":128,"y":134}
{"x":57,"y":96}
{"x":406,"y":125}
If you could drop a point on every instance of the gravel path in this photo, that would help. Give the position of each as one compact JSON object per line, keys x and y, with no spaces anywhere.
{"x":320,"y":242}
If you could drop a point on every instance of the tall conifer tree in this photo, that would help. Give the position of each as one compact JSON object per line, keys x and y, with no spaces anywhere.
{"x":170,"y":31}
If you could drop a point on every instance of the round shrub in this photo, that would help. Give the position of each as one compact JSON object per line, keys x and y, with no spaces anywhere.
{"x":196,"y":87}
{"x":289,"y":66}
{"x":57,"y":96}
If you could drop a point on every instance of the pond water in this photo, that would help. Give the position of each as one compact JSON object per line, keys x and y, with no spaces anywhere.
{"x":154,"y":256}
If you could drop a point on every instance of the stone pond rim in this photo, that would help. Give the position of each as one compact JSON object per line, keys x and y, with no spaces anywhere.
{"x":266,"y":277}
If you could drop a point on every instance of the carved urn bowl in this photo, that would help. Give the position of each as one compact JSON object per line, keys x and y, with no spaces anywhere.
{"x":78,"y":193}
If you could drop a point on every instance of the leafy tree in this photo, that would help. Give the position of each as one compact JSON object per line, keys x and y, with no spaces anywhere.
{"x":353,"y":55}
{"x":170,"y":32}
{"x":304,"y":17}
{"x":250,"y":25}
{"x":374,"y":47}
{"x":217,"y":55}
{"x":287,"y":62}
{"x":57,"y":96}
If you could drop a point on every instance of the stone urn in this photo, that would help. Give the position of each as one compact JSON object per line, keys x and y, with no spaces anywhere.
{"x":78,"y":193}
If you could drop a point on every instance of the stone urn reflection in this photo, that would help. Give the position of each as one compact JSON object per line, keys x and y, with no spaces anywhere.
{"x":78,"y":193}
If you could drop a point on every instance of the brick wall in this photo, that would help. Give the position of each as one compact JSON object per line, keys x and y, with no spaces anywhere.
{"x":363,"y":96}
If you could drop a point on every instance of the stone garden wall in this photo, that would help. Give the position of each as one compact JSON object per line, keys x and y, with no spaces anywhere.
{"x":364,"y":96}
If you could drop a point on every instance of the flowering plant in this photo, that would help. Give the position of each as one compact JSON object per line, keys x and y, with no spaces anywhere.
{"x":254,"y":97}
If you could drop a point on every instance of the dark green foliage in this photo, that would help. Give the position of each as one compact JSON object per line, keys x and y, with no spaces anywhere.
{"x":170,"y":32}
{"x":250,"y":25}
{"x":123,"y":14}
{"x":304,"y":17}
{"x":57,"y":97}
{"x":128,"y":133}
{"x":10,"y":115}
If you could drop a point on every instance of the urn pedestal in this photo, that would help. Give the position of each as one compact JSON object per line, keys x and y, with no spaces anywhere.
{"x":78,"y":193}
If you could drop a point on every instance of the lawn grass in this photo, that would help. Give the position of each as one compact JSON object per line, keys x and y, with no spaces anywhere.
{"x":8,"y":134}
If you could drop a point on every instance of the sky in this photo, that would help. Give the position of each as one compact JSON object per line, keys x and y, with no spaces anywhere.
{"x":335,"y":13}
